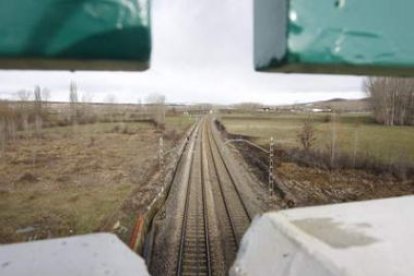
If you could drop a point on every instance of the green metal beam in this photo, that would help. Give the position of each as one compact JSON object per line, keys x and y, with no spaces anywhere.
{"x":75,"y":34}
{"x":335,"y":36}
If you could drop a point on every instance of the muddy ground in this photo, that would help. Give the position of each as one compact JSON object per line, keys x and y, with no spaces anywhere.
{"x":79,"y":179}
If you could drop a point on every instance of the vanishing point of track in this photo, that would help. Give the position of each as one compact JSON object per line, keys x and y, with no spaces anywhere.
{"x":196,"y":254}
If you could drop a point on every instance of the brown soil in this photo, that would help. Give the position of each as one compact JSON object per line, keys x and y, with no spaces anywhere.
{"x":77,"y":180}
{"x":298,"y":185}
{"x":312,"y":186}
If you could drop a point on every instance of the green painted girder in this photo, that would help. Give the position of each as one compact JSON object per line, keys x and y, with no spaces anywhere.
{"x":334,"y":36}
{"x":75,"y":34}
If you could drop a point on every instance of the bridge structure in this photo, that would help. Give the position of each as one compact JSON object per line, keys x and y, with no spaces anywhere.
{"x":296,"y":36}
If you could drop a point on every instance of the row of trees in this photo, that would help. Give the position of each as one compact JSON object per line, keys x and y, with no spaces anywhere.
{"x":28,"y":114}
{"x":33,"y":107}
{"x":391,"y":99}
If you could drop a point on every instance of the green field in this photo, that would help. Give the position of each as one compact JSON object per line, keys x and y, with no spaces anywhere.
{"x":355,"y":132}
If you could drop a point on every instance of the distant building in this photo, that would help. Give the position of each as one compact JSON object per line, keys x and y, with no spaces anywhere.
{"x":318,"y":110}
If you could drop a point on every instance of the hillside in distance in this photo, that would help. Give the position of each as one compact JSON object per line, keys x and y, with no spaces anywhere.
{"x":338,"y":104}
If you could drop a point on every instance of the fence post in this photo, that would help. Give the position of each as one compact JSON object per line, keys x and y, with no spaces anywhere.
{"x":161,"y":161}
{"x":271,"y":185}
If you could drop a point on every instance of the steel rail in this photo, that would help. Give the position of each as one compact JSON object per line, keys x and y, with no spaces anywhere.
{"x":230,"y":176}
{"x":184,"y":222}
{"x":183,"y":237}
{"x":222,"y":192}
{"x":205,"y":210}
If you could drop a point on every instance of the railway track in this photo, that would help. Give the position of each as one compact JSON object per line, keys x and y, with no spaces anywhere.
{"x":199,"y":229}
{"x":194,"y":251}
{"x":196,"y":255}
{"x":237,"y":215}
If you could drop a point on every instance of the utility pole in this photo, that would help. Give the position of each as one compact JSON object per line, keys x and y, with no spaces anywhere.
{"x":161,"y":161}
{"x":271,"y":184}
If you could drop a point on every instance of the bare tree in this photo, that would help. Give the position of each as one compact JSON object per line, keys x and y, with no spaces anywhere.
{"x":45,"y":96}
{"x":37,"y":100}
{"x":73,"y":93}
{"x":23,"y":95}
{"x":12,"y":129}
{"x":156,"y":105}
{"x":38,"y":109}
{"x":3,"y":133}
{"x":139,"y":105}
{"x":7,"y":124}
{"x":307,"y":135}
{"x":391,"y":99}
{"x":248,"y":106}
{"x":111,"y":107}
{"x":332,"y":146}
{"x":87,"y":97}
{"x":38,"y":124}
{"x":86,"y":111}
{"x":73,"y":101}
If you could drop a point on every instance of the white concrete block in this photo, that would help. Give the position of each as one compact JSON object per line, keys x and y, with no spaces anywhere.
{"x":360,"y":239}
{"x":96,"y":254}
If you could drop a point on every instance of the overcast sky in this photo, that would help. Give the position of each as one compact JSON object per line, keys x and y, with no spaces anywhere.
{"x":202,"y":52}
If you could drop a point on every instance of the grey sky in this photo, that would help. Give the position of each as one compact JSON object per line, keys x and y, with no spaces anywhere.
{"x":202,"y":52}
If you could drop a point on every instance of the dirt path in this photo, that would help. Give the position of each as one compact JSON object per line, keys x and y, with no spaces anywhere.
{"x":211,"y":203}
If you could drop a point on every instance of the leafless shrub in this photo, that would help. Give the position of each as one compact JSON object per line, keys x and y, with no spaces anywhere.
{"x":31,"y":110}
{"x":111,"y":109}
{"x":391,"y":99}
{"x":25,"y":122}
{"x":116,"y":129}
{"x":45,"y":96}
{"x":171,"y":135}
{"x":327,"y":118}
{"x":11,"y":129}
{"x":125,"y":129}
{"x":8,"y":126}
{"x":73,"y":102}
{"x":92,"y":141}
{"x":121,"y":128}
{"x":2,"y":135}
{"x":27,"y":177}
{"x":24,"y":95}
{"x":220,"y":126}
{"x":37,"y":101}
{"x":402,"y":169}
{"x":87,"y":114}
{"x":248,"y":106}
{"x":307,"y":135}
{"x":332,"y":144}
{"x":156,"y":108}
{"x":38,"y":125}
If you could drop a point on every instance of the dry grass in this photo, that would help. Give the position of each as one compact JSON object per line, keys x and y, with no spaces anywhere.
{"x":354,"y":132}
{"x":311,"y":186}
{"x":69,"y":180}
{"x":370,"y":161}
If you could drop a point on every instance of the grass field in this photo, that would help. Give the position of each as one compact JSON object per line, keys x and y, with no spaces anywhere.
{"x":354,"y":131}
{"x":69,"y":180}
